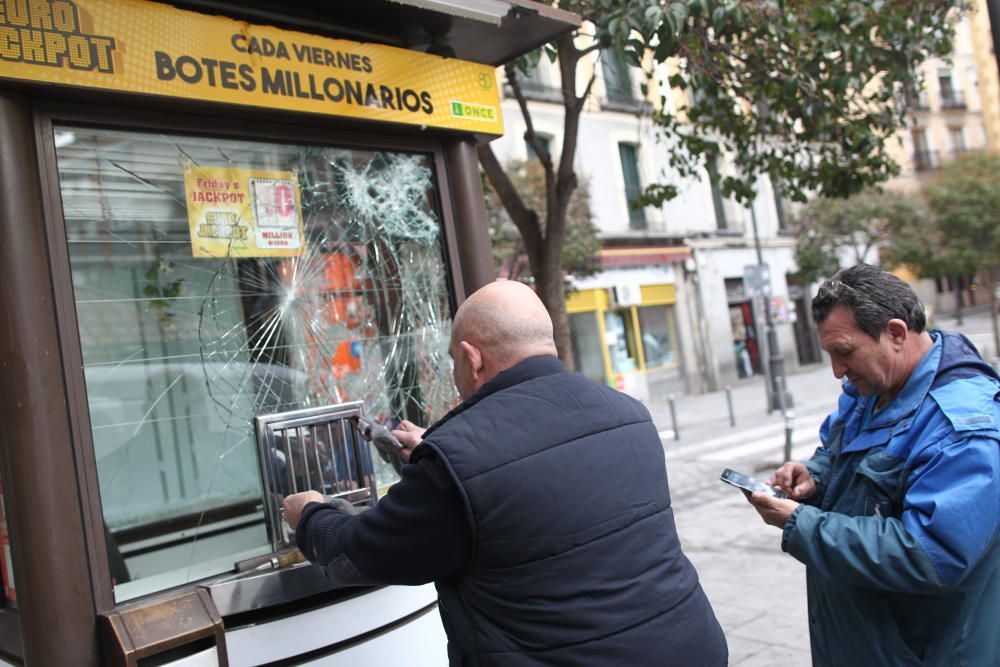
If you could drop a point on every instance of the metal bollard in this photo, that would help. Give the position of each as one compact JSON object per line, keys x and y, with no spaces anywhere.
{"x":788,"y":415}
{"x":729,"y":402}
{"x":673,"y":417}
{"x":789,"y":428}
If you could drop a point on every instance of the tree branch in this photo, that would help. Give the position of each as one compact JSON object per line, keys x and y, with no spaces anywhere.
{"x":586,"y":92}
{"x":529,"y":133}
{"x":525,"y":219}
{"x":565,"y":182}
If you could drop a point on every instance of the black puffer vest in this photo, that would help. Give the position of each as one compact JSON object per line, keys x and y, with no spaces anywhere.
{"x":576,"y":559}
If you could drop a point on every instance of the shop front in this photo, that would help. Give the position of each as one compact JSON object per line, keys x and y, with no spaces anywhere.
{"x":624,"y":331}
{"x":208,"y":224}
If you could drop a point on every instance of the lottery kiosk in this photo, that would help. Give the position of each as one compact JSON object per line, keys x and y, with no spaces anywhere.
{"x":228,"y":230}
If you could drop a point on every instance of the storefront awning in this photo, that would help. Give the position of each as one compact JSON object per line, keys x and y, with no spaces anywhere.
{"x":491,"y":32}
{"x":643,"y":256}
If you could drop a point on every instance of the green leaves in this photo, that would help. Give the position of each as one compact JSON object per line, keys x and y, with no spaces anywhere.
{"x":654,"y":194}
{"x":825,"y":72}
{"x":965,"y":203}
{"x":525,"y":64}
{"x":581,"y":251}
{"x":828,"y":228}
{"x":676,"y":16}
{"x":719,"y":16}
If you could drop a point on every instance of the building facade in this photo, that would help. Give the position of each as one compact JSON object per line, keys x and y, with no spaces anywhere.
{"x":956,"y":111}
{"x":669,"y":311}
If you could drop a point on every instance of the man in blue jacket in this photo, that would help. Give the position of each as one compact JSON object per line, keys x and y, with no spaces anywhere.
{"x":539,"y":507}
{"x":898,"y":521}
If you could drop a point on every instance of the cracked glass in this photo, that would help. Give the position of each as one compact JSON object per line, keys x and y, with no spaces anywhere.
{"x":181,"y":351}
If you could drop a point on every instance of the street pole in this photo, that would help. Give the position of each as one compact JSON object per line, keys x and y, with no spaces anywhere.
{"x":993,"y":9}
{"x":776,"y":395}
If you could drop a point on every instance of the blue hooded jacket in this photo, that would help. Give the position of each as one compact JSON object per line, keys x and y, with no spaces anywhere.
{"x":901,"y":538}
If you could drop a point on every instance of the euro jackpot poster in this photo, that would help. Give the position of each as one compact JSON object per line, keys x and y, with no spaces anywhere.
{"x":243,"y":212}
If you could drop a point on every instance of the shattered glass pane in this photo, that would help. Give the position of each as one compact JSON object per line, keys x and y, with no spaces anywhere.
{"x":181,"y":352}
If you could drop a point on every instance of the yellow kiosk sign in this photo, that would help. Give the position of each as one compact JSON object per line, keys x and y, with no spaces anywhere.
{"x":148,"y":48}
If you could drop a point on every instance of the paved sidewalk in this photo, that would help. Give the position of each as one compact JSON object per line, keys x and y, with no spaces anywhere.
{"x":701,"y":416}
{"x":978,"y":327}
{"x":758,"y":592}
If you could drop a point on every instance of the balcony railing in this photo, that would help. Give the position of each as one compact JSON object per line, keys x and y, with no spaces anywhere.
{"x":953,"y":99}
{"x":917,"y":102}
{"x":534,"y":89}
{"x":622,"y":101}
{"x":925,"y":160}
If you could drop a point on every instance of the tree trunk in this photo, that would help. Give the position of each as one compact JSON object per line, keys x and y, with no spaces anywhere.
{"x":544,"y":253}
{"x":550,"y":289}
{"x":958,"y":300}
{"x":543,"y":244}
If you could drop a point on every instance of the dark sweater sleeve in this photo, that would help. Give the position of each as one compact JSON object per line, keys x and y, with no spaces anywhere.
{"x":416,"y":534}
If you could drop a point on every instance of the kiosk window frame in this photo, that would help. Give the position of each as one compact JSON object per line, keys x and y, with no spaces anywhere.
{"x":189,"y":121}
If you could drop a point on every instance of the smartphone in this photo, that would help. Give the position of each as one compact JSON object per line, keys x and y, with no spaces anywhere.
{"x":741,"y":481}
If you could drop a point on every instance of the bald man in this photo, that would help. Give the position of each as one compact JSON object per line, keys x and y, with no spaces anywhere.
{"x":539,"y":507}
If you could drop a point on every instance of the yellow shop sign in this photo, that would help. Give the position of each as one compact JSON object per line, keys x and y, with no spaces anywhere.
{"x":148,"y":48}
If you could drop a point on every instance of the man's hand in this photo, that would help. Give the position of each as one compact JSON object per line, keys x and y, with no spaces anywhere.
{"x":409,"y":435}
{"x":794,"y":479}
{"x":293,"y":504}
{"x":774,"y":511}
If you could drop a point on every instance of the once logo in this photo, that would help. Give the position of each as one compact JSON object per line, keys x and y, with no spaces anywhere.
{"x":474,"y":111}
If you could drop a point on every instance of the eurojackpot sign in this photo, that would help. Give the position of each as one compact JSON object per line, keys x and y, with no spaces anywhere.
{"x":148,"y":48}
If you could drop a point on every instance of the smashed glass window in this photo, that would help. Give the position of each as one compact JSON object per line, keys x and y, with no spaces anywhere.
{"x":193,"y":320}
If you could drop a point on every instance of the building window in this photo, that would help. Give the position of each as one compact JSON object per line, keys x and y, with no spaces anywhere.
{"x":712,"y":166}
{"x":657,"y":327}
{"x":633,"y":184}
{"x":923,"y":157}
{"x":620,"y":338}
{"x":537,"y":78}
{"x":546,"y":142}
{"x":585,"y":334}
{"x":916,"y":100}
{"x":617,"y":79}
{"x":951,"y":98}
{"x":538,"y":83}
{"x":779,"y":209}
{"x":957,"y":135}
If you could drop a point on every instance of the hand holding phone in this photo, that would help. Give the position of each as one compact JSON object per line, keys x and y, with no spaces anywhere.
{"x":796,"y":478}
{"x":749,"y":484}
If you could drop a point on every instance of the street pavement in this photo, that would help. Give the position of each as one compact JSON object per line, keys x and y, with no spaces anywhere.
{"x":978,"y":327}
{"x":758,"y":591}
